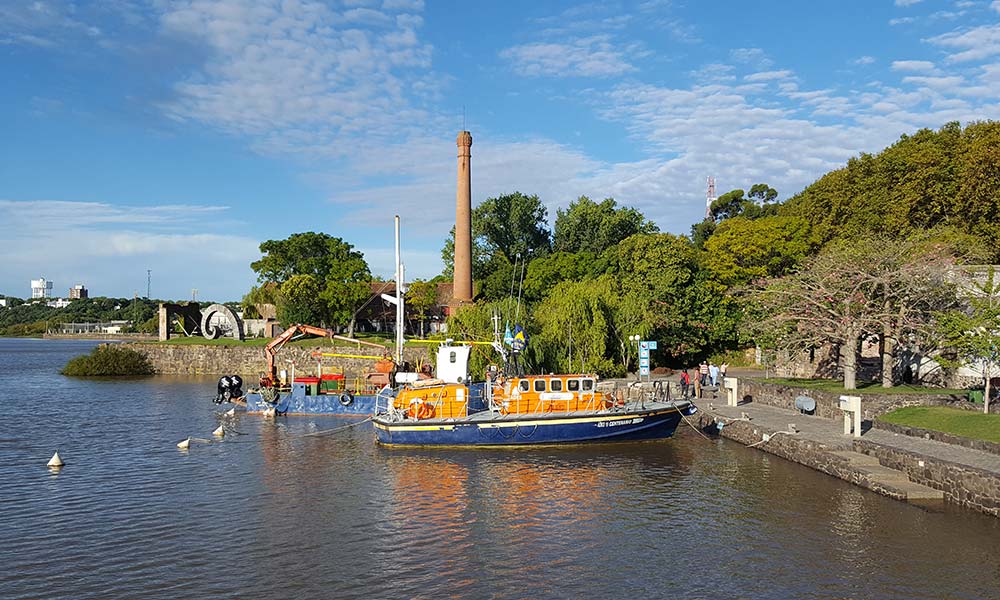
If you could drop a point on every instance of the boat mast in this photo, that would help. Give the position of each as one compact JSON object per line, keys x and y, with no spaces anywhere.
{"x":399,"y":300}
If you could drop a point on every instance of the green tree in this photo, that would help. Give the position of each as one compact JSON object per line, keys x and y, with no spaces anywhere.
{"x":575,"y":328}
{"x":259,"y":296}
{"x":322,"y":279}
{"x":421,"y":298}
{"x":587,"y":226}
{"x":743,"y":250}
{"x":513,"y":225}
{"x":317,"y":254}
{"x":974,"y":331}
{"x":545,"y":273}
{"x":301,"y":301}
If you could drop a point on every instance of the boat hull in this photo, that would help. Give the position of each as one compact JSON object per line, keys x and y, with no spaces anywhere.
{"x":298,"y":402}
{"x":522,"y":430}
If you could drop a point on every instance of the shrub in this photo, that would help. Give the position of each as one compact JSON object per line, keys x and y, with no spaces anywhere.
{"x":108,"y":360}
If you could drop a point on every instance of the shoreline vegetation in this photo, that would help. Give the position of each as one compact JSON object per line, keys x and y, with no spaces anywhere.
{"x":109,"y":360}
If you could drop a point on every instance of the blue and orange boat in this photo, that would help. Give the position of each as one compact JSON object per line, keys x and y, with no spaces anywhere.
{"x":515,"y":411}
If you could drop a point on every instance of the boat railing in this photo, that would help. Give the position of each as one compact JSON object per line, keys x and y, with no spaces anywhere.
{"x":385,"y":404}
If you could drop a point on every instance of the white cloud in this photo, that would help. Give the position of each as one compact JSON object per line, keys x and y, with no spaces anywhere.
{"x":865,"y":60}
{"x":995,"y":5}
{"x":751,"y":56}
{"x":769,"y":76}
{"x":95,"y":243}
{"x":594,"y":56}
{"x":979,"y":43}
{"x":905,"y":3}
{"x":301,"y":72}
{"x":923,"y":66}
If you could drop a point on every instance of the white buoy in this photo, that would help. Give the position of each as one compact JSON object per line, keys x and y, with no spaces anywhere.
{"x":231,"y":412}
{"x":184,"y":445}
{"x":219,"y":432}
{"x":55,"y":461}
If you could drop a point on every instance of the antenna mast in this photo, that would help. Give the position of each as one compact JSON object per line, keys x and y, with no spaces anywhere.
{"x":710,"y":197}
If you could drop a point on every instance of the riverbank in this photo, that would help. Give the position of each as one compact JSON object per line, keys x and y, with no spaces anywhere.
{"x":885,"y":460}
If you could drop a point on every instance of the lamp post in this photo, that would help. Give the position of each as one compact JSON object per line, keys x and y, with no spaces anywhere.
{"x":636,"y":338}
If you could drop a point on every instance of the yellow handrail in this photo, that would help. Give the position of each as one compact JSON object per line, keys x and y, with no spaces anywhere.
{"x":443,"y":341}
{"x":337,"y":355}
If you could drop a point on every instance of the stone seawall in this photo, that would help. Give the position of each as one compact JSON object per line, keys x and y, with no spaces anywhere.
{"x":805,"y":452}
{"x":249,"y":361}
{"x":968,"y":486}
{"x":940,"y":436}
{"x":974,"y":488}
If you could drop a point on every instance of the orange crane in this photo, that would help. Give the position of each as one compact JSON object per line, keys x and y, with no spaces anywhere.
{"x":299,"y":330}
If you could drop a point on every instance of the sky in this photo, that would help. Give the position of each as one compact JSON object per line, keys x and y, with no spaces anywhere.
{"x":172,"y":137}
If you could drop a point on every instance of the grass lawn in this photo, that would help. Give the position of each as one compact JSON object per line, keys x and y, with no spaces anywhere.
{"x":975,"y":425}
{"x":865,"y":387}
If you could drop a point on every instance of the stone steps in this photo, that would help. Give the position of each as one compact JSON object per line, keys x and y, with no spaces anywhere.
{"x":890,"y":478}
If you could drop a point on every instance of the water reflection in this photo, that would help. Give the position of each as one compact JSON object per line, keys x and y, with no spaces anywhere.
{"x":275,"y":514}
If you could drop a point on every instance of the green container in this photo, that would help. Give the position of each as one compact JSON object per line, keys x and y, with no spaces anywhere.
{"x":332,"y":383}
{"x":976,"y":396}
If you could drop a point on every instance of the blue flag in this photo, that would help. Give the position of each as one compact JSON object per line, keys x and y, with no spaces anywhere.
{"x":520,"y":339}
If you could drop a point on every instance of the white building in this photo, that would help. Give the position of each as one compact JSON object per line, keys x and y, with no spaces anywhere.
{"x":41,"y":288}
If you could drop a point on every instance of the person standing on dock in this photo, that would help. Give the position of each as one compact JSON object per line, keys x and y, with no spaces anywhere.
{"x":685,"y":382}
{"x":713,"y":374}
{"x":703,"y":373}
{"x":722,"y":371}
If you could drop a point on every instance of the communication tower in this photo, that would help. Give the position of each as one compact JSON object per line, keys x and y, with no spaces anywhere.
{"x":710,"y":197}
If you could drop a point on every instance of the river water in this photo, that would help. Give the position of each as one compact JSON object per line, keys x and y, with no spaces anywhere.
{"x":269,"y":513}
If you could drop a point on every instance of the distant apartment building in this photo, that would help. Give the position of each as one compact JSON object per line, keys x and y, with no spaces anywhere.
{"x":40,"y":288}
{"x":78,"y":291}
{"x":58,"y":303}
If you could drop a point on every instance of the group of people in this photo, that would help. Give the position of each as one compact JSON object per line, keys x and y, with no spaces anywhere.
{"x":705,"y":374}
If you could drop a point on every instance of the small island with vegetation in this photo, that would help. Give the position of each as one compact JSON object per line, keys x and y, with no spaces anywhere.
{"x":109,"y":360}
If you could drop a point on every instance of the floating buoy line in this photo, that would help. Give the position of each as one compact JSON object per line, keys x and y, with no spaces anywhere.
{"x":220,"y":433}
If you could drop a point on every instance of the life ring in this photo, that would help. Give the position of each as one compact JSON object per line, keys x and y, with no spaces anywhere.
{"x":346,"y":399}
{"x":425,"y":410}
{"x":420,"y":410}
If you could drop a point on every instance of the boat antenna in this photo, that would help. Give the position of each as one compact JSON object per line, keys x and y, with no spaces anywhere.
{"x":517,"y":314}
{"x":513,"y":276}
{"x":399,"y":300}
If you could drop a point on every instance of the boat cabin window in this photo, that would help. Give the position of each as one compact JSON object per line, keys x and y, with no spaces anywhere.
{"x":588,"y":385}
{"x":555,"y":385}
{"x":524,"y":385}
{"x":451,"y":357}
{"x":573,"y":385}
{"x":539,"y":385}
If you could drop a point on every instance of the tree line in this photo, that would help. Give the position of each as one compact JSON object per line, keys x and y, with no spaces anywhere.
{"x":867,"y":251}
